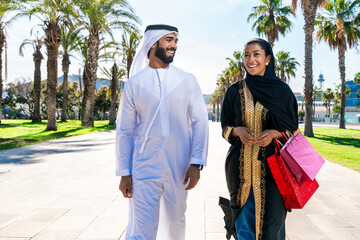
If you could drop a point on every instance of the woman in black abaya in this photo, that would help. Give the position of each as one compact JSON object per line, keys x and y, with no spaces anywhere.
{"x":255,"y":111}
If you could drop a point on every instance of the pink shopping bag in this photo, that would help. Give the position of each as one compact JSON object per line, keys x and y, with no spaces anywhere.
{"x":293,"y":193}
{"x":302,"y":158}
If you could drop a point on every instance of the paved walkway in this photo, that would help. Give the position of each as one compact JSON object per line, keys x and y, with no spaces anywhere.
{"x":66,"y":189}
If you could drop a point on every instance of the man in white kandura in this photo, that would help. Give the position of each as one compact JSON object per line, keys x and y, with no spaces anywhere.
{"x":161,"y":138}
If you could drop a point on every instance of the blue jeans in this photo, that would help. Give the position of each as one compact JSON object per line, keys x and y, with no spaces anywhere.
{"x":245,"y":223}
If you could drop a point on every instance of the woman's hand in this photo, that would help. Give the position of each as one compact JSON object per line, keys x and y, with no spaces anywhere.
{"x":267,"y":136}
{"x":245,"y":135}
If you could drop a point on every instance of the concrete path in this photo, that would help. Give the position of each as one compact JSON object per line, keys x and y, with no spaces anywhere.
{"x":66,"y":189}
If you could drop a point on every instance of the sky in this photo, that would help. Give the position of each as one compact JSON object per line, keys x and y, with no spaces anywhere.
{"x":209,"y":32}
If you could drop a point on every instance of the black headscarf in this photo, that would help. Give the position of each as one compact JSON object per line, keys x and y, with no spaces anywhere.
{"x":273,"y":93}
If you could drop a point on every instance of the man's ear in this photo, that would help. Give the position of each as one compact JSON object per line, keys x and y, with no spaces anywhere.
{"x":153,"y":47}
{"x":155,"y":44}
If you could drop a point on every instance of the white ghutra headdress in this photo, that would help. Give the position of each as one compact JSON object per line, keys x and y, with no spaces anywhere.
{"x":152,"y":34}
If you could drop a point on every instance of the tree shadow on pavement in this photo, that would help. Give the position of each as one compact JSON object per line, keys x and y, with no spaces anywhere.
{"x":31,"y":154}
{"x":27,"y":139}
{"x":339,"y":140}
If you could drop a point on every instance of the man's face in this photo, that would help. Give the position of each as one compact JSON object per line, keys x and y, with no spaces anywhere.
{"x":166,"y":48}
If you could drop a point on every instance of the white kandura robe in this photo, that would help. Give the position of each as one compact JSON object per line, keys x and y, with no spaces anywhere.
{"x":162,"y":128}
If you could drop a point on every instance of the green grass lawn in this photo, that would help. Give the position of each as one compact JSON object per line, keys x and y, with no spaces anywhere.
{"x":17,"y":133}
{"x":341,"y":146}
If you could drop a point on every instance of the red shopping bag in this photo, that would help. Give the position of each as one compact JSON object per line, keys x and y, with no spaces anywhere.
{"x":301,"y":157}
{"x":294,"y":194}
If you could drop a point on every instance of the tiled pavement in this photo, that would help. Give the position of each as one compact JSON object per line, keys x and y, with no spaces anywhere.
{"x":66,"y":189}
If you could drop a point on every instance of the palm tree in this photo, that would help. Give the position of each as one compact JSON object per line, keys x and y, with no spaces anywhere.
{"x":236,"y":66}
{"x":338,"y":93}
{"x":52,"y":13}
{"x":6,"y":7}
{"x":102,"y":102}
{"x":309,"y":11}
{"x":213,"y":100}
{"x":302,"y":103}
{"x":357,"y":78}
{"x":104,"y":55}
{"x":130,"y":42}
{"x":271,"y":18}
{"x":37,"y":58}
{"x":216,"y":99}
{"x":83,"y":52}
{"x":285,"y":66}
{"x":337,"y":98}
{"x":328,"y":96}
{"x":317,"y":93}
{"x":99,"y":17}
{"x":336,"y":26}
{"x":113,"y":75}
{"x":69,"y":42}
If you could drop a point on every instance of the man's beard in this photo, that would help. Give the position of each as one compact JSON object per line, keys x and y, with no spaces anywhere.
{"x":161,"y":54}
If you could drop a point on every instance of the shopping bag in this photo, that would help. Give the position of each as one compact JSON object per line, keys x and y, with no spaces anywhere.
{"x":302,"y":158}
{"x":294,"y":194}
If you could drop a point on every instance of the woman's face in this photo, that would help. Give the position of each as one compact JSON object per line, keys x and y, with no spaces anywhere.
{"x":255,"y":59}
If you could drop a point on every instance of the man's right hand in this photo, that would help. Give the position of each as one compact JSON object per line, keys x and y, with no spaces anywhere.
{"x":125,"y":186}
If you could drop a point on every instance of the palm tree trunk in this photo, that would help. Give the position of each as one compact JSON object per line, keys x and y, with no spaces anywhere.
{"x":53,"y":40}
{"x":282,"y":76}
{"x":309,"y":16}
{"x":37,"y":85}
{"x":80,"y":85}
{"x":213,"y":115}
{"x":87,"y":119}
{"x":271,"y":34}
{"x":217,"y":112}
{"x":2,"y":43}
{"x":129,"y":61}
{"x":65,"y":68}
{"x":314,"y":103}
{"x":341,"y":51}
{"x":113,"y":87}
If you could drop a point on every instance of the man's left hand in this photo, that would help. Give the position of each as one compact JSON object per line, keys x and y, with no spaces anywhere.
{"x":193,"y":173}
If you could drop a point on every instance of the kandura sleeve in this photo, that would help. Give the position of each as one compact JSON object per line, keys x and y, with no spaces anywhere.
{"x":126,"y":124}
{"x":199,"y":126}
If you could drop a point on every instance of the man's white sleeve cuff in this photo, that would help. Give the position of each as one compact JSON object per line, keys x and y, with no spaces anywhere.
{"x":123,"y":172}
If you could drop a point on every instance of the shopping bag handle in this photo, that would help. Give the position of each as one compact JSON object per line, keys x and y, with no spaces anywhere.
{"x":278,"y":146}
{"x":284,"y":136}
{"x":295,"y":134}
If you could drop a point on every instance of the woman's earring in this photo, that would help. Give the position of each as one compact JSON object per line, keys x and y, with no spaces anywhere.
{"x":266,"y":63}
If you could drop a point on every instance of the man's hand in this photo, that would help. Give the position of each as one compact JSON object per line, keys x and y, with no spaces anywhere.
{"x":125,"y":186}
{"x":193,"y":173}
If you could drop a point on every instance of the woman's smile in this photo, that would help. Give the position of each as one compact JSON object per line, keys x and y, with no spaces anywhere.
{"x":255,"y":59}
